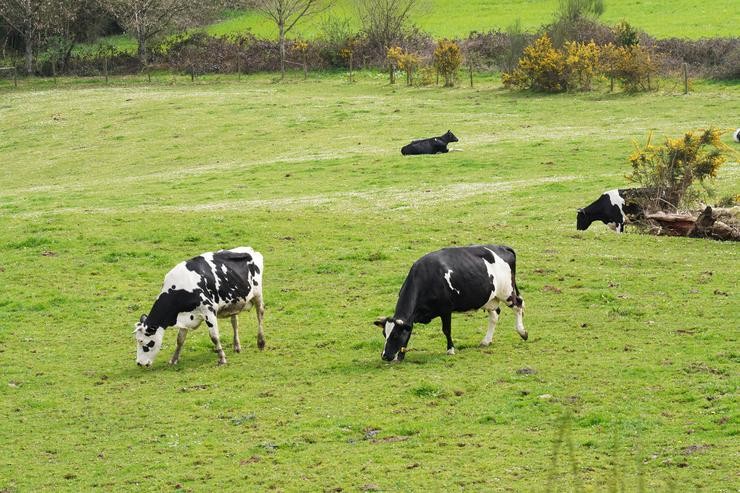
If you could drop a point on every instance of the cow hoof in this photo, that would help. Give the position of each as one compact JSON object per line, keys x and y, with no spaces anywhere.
{"x":237,"y":349}
{"x":524,"y":336}
{"x":261,"y":345}
{"x":173,"y":361}
{"x":485,"y":343}
{"x":222,"y":362}
{"x":451,"y":351}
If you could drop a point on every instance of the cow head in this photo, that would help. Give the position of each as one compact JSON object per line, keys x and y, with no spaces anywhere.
{"x":582,"y":221}
{"x":450,"y":137}
{"x":148,"y":342}
{"x":397,"y":334}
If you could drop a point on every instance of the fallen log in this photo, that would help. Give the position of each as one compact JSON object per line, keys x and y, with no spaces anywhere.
{"x":699,"y":225}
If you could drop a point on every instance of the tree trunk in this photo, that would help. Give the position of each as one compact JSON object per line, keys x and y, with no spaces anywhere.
{"x":28,"y":41}
{"x":281,"y":27}
{"x":142,"y":51}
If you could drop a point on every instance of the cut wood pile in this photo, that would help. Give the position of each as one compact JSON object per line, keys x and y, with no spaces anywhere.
{"x":717,"y":223}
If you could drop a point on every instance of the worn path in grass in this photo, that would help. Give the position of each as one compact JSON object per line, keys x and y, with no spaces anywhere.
{"x":104,"y":189}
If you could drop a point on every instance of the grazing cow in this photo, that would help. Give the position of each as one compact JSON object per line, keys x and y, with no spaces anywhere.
{"x":736,"y":135}
{"x":613,"y":208}
{"x":211,"y":285}
{"x":433,"y":145}
{"x":453,"y":280}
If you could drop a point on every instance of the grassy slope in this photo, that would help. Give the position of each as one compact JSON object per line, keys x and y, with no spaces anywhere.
{"x":687,"y":19}
{"x":635,"y":335}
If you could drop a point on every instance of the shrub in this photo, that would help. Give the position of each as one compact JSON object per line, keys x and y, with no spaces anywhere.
{"x":541,"y":68}
{"x":447,"y":60}
{"x":671,"y":170}
{"x":581,"y":64}
{"x":631,"y":65}
{"x":625,"y":34}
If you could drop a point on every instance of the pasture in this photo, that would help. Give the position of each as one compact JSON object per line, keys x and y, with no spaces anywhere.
{"x":628,"y":380}
{"x":455,"y":19}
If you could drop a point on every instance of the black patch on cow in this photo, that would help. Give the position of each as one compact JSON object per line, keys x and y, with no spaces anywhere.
{"x":433,"y":145}
{"x":192,"y":317}
{"x":209,"y":324}
{"x":145,"y":349}
{"x":151,"y":344}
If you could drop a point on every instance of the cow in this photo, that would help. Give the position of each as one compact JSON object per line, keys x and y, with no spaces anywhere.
{"x":736,"y":135}
{"x":210,"y":286}
{"x":457,"y":279}
{"x":433,"y":145}
{"x":613,"y":208}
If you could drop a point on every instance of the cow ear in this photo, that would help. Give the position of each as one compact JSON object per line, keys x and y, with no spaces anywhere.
{"x":380,"y":321}
{"x":142,"y":319}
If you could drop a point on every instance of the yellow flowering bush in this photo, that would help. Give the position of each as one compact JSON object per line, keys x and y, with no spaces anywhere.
{"x":631,"y":65}
{"x":447,"y":59}
{"x":541,"y":68}
{"x":670,"y":170}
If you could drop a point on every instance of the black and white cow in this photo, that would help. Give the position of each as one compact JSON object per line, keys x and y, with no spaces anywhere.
{"x":613,"y":208}
{"x":736,"y":135}
{"x":433,"y":145}
{"x":214,"y":284}
{"x":453,"y":280}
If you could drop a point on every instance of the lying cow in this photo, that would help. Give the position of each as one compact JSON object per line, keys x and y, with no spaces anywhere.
{"x":613,"y":208}
{"x":211,"y":285}
{"x":433,"y":145}
{"x":453,"y":280}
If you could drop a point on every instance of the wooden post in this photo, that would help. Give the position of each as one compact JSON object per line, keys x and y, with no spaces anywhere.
{"x":105,"y":68}
{"x":54,"y":69}
{"x":436,"y":71}
{"x":685,"y":78}
{"x":611,"y":80}
{"x":192,"y":73}
{"x":351,"y":57}
{"x":15,"y":77}
{"x":238,"y":67}
{"x":305,"y":66}
{"x":471,"y":75}
{"x":393,"y":79}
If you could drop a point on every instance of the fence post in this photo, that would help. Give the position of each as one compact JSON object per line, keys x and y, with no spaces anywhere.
{"x":105,"y":68}
{"x":685,"y":78}
{"x":471,"y":75}
{"x":15,"y":77}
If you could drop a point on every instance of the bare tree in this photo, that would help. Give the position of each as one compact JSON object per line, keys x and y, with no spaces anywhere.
{"x":146,"y":19}
{"x":34,"y":20}
{"x":286,"y":14}
{"x":384,"y":21}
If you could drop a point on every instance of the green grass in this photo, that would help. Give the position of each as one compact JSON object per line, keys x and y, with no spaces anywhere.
{"x":455,"y":19}
{"x":105,"y":188}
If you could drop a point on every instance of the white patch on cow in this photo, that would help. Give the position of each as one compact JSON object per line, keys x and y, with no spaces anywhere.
{"x":502,"y":287}
{"x":223,"y":268}
{"x":451,"y":351}
{"x":209,"y":260}
{"x":617,"y":200}
{"x":181,"y":278}
{"x":448,"y":278}
{"x":389,"y":328}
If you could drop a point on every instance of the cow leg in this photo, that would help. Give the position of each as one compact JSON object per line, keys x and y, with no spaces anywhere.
{"x":212,"y":323}
{"x":235,"y":325}
{"x":260,"y":316}
{"x":492,"y":319}
{"x":180,"y":341}
{"x":519,"y":313}
{"x":447,"y":330}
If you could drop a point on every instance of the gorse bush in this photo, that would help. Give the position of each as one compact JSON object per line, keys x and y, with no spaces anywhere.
{"x":447,"y":59}
{"x":631,"y":65}
{"x":581,"y":64}
{"x":671,"y":170}
{"x":541,"y":68}
{"x":575,"y":67}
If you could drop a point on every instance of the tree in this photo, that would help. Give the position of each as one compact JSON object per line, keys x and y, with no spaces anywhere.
{"x":384,"y":21}
{"x":286,"y":14}
{"x":35,"y":20}
{"x":146,"y":19}
{"x":447,"y":60}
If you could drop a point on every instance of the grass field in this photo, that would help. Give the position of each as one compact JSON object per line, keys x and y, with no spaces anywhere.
{"x":455,"y":19}
{"x":628,"y":381}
